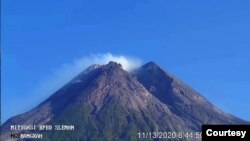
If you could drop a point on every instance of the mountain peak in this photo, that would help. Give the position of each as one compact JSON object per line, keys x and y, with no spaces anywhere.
{"x":150,"y":99}
{"x":114,"y":64}
{"x":151,"y":63}
{"x":112,"y":67}
{"x":152,"y":66}
{"x":152,"y":69}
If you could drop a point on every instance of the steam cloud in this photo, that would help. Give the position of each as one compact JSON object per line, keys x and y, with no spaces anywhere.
{"x":128,"y":63}
{"x":66,"y":72}
{"x":69,"y":70}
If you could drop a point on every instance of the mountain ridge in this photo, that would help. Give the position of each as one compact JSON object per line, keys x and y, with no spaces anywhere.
{"x":105,"y":102}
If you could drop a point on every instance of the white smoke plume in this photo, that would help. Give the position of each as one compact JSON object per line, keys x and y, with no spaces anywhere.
{"x":60,"y":76}
{"x":69,"y":70}
{"x":78,"y":65}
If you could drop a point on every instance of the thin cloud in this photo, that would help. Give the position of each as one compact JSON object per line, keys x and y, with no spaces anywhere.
{"x":69,"y":70}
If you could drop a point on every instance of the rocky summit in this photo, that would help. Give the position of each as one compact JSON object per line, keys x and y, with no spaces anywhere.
{"x":107,"y":103}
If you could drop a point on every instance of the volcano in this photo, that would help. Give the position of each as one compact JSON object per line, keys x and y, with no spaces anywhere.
{"x":107,"y":103}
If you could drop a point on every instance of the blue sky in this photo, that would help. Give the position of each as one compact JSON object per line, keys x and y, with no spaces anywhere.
{"x":204,"y":43}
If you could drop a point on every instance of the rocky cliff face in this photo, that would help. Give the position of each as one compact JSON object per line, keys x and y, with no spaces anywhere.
{"x":106,"y":102}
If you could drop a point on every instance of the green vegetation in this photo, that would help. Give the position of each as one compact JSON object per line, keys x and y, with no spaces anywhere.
{"x":112,"y":122}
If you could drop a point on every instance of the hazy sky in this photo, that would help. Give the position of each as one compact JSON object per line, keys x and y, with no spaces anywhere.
{"x":204,"y":43}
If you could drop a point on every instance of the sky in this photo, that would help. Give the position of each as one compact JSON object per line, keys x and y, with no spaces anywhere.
{"x":204,"y":43}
